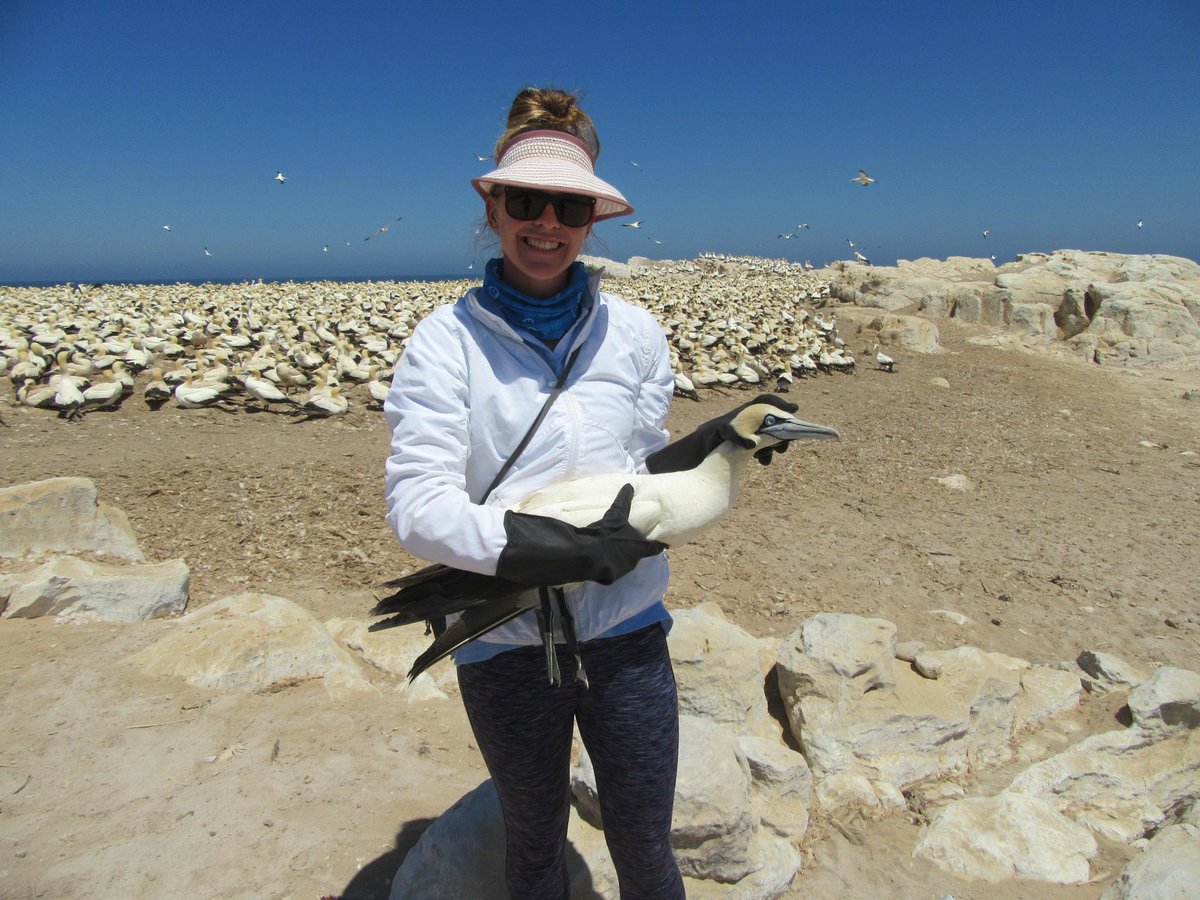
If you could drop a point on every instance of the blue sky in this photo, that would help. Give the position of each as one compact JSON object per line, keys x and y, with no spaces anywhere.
{"x":1050,"y":124}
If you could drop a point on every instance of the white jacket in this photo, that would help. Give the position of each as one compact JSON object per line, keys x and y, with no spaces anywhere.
{"x":464,"y":393}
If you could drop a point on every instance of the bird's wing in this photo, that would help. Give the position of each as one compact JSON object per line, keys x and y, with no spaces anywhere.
{"x":473,"y":623}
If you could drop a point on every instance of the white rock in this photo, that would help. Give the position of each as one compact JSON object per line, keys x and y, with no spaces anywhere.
{"x":719,"y":671}
{"x":394,"y":650}
{"x":1168,"y":869}
{"x":955,"y":482}
{"x":84,"y":591}
{"x":1109,"y":671}
{"x":62,"y":515}
{"x":1008,"y":836}
{"x":1120,"y":784}
{"x":781,"y":786}
{"x":1167,"y":701}
{"x":252,"y":643}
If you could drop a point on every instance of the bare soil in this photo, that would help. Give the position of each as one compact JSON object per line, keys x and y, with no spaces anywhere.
{"x":1078,"y":530}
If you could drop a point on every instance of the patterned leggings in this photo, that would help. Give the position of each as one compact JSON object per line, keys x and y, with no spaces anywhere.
{"x":629,"y":721}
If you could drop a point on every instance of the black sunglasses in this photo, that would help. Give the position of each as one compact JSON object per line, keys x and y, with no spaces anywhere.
{"x":524,"y":205}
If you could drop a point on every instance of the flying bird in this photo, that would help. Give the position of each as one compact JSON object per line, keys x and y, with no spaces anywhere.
{"x":985,"y":232}
{"x":382,"y":229}
{"x":803,"y":226}
{"x":325,"y":249}
{"x":636,"y":166}
{"x":786,"y":237}
{"x":672,"y":507}
{"x":850,"y":242}
{"x":482,"y":158}
{"x":280,"y":177}
{"x":863,"y":178}
{"x":207,"y":252}
{"x":1139,"y":223}
{"x":637,"y":224}
{"x":168,"y":227}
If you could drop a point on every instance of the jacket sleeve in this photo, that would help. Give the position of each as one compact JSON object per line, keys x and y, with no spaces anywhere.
{"x":428,"y":412}
{"x":654,"y":396}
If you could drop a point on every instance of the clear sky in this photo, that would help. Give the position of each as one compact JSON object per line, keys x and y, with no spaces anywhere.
{"x":1051,"y":124}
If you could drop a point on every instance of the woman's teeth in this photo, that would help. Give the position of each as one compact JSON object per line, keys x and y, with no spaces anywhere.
{"x":542,"y":245}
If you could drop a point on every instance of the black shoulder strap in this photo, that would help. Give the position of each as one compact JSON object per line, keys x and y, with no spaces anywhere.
{"x":508,"y":463}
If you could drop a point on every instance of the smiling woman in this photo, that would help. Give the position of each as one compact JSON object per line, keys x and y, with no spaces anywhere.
{"x":494,"y":372}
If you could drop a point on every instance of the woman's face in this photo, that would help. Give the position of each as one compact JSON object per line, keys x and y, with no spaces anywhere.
{"x":537,"y":253}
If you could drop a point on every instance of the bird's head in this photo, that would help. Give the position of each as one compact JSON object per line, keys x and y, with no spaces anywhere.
{"x":762,"y":425}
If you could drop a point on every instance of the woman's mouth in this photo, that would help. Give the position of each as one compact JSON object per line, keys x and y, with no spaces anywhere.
{"x":537,"y":244}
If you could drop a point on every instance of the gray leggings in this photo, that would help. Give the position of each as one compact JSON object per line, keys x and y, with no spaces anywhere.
{"x":629,"y":721}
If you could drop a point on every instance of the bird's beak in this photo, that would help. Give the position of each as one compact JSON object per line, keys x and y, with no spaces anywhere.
{"x":795,"y":429}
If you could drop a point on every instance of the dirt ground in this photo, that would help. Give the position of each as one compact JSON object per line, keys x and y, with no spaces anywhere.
{"x":1078,"y":531}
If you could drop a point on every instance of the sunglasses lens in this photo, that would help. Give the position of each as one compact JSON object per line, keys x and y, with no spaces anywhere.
{"x":525,"y":206}
{"x":574,"y":212}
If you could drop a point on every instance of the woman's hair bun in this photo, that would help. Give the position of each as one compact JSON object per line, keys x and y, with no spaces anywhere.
{"x":552,"y":109}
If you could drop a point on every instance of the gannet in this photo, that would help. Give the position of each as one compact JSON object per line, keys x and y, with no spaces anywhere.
{"x":637,"y":224}
{"x":672,"y":507}
{"x":280,"y":177}
{"x":885,"y":362}
{"x":863,"y":178}
{"x":861,"y":258}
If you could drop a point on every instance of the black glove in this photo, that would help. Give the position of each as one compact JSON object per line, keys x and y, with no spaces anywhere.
{"x":545,"y":551}
{"x":689,"y":451}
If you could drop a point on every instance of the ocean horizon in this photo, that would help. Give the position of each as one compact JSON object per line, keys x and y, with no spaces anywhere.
{"x":165,"y":282}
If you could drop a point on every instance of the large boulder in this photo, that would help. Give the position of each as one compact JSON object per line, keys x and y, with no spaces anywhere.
{"x":62,"y":515}
{"x":252,"y":643}
{"x":81,"y":590}
{"x":1168,"y":869}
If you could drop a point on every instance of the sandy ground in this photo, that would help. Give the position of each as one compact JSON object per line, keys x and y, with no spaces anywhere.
{"x":1079,"y":531}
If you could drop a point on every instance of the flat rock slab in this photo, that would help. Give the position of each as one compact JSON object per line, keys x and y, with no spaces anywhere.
{"x":84,"y":591}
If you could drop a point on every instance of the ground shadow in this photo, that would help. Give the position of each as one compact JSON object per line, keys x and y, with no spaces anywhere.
{"x":374,"y":880}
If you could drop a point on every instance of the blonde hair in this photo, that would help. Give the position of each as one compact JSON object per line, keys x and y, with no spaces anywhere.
{"x":549,"y":109}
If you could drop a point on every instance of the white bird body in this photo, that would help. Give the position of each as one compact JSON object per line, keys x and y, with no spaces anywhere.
{"x":863,"y":178}
{"x":672,"y":507}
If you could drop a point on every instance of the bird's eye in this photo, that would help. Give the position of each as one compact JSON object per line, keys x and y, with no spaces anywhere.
{"x":770,"y":420}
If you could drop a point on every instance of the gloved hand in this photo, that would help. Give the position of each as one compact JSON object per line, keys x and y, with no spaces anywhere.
{"x":689,"y":451}
{"x":545,"y":551}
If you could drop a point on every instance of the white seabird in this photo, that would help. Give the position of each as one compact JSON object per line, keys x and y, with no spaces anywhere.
{"x":673,"y":507}
{"x":863,"y":178}
{"x":280,"y":177}
{"x":637,"y":224}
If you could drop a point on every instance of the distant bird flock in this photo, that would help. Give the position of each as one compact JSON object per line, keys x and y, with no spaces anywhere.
{"x":323,"y":349}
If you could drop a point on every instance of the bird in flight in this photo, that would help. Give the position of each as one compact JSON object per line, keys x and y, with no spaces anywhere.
{"x":803,"y":226}
{"x":636,"y":166}
{"x":863,"y":178}
{"x":168,"y":227}
{"x":637,"y":224}
{"x":1139,"y":223}
{"x":479,"y":158}
{"x":850,"y":242}
{"x":985,"y":232}
{"x":280,"y":177}
{"x":786,"y":237}
{"x":383,"y":228}
{"x":325,"y":249}
{"x":207,"y":252}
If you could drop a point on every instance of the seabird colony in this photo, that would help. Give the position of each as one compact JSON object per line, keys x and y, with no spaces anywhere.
{"x":322,"y":348}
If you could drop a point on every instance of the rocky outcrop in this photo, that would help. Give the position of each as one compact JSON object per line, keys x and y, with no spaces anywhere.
{"x":1108,"y":308}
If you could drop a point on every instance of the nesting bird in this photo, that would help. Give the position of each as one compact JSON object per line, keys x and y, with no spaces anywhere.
{"x":884,"y":361}
{"x":672,"y":507}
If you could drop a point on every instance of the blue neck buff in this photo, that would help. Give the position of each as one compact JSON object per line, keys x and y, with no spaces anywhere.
{"x":547,"y":319}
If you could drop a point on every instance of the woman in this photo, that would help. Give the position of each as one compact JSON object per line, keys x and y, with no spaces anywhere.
{"x":472,"y":380}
